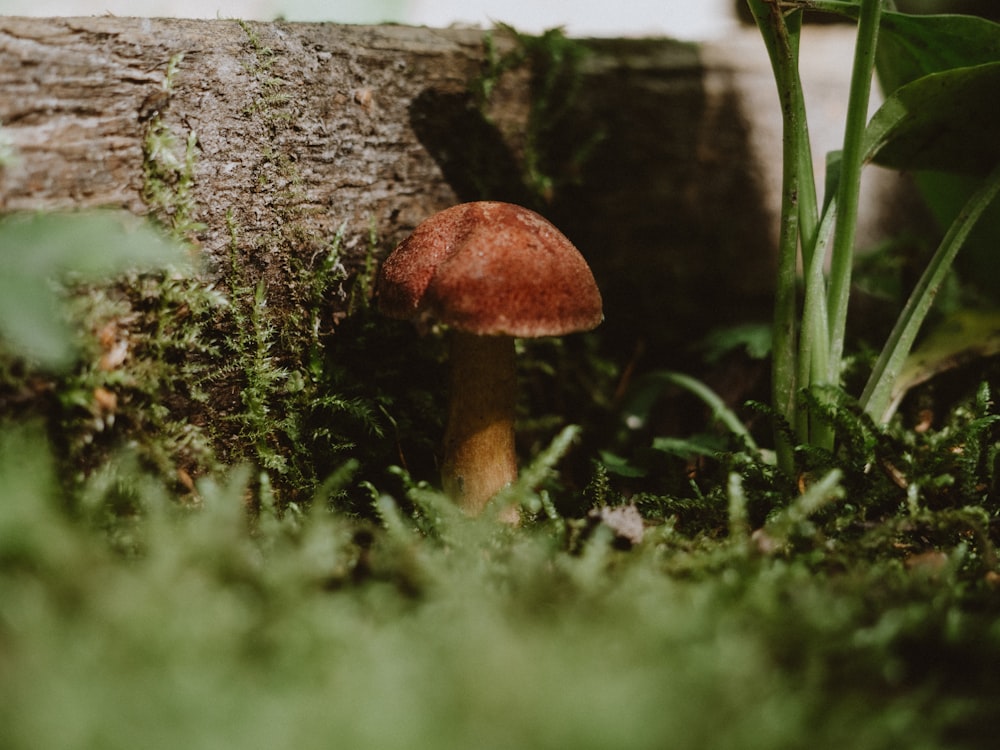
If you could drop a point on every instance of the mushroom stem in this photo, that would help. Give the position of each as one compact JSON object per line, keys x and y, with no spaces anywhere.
{"x":479,"y":457}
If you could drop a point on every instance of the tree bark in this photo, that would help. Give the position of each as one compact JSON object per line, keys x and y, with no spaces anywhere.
{"x":293,"y":123}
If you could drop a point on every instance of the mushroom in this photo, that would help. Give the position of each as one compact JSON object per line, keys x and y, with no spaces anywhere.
{"x":490,"y":271}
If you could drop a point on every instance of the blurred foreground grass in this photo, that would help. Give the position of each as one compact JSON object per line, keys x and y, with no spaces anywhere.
{"x":165,"y":626}
{"x":137,"y":610}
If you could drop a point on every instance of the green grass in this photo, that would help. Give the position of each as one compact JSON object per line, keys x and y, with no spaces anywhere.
{"x":128,"y":619}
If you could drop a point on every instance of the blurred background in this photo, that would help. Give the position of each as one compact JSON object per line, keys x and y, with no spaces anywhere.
{"x":679,"y":18}
{"x":682,"y":19}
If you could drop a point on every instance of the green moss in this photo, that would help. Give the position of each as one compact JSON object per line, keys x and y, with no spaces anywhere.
{"x":280,"y":372}
{"x":168,"y":176}
{"x":121,"y":349}
{"x":313,"y":380}
{"x":145,"y":371}
{"x":270,"y":104}
{"x":554,"y":63}
{"x":433,"y":630}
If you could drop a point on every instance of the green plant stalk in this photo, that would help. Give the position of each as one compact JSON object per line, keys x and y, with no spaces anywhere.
{"x":781,"y":40}
{"x":849,"y":187}
{"x":782,"y":36}
{"x":814,"y":350}
{"x":877,"y":394}
{"x":808,"y":205}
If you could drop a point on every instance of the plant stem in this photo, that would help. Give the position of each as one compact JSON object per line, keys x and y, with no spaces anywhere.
{"x":808,"y":206}
{"x":877,"y":393}
{"x":781,"y":39}
{"x":849,"y":187}
{"x":814,"y":350}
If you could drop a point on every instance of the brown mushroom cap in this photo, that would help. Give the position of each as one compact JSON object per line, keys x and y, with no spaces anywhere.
{"x":491,"y":268}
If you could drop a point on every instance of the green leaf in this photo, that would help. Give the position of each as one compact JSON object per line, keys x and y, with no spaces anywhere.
{"x":754,"y":339}
{"x":945,"y":194}
{"x":30,"y":323}
{"x":89,"y":244}
{"x":912,"y":46}
{"x":915,"y":46}
{"x":38,"y":249}
{"x":964,"y":336}
{"x":620,"y":466}
{"x":696,"y":445}
{"x":944,"y":121}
